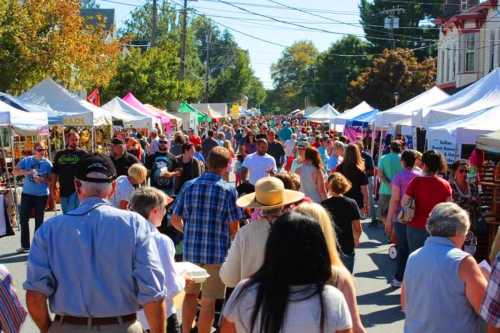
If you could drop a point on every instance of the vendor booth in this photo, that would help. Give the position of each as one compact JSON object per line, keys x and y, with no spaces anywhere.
{"x":489,"y":142}
{"x":357,"y":111}
{"x":325,"y":114}
{"x":135,"y":103}
{"x":479,"y":96}
{"x":128,"y":115}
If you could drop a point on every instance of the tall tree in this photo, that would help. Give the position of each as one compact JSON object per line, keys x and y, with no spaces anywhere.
{"x":153,"y":77}
{"x":411,"y":34}
{"x":41,"y":38}
{"x":334,"y":70}
{"x":396,"y":71}
{"x":292,"y":73}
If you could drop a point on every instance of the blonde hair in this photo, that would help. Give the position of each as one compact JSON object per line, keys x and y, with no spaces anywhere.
{"x":138,"y":172}
{"x":495,"y":247}
{"x":320,"y":214}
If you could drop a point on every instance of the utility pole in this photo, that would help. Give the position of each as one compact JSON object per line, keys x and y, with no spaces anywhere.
{"x":183,"y":42}
{"x":154,"y":22}
{"x":391,"y":22}
{"x":207,"y":64}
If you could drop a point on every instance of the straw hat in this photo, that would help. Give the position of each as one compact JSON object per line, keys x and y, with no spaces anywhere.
{"x":269,"y":193}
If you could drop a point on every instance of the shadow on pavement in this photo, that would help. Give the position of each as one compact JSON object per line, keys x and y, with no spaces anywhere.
{"x":385,"y":267}
{"x":375,"y":233}
{"x":368,"y":245}
{"x":385,"y":316}
{"x":380,"y":297}
{"x":13,"y":258}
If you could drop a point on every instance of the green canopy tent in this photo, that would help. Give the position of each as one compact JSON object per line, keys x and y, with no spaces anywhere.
{"x":185,"y":107}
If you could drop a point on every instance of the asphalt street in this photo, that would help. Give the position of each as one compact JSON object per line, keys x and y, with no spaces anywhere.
{"x":379,"y":302}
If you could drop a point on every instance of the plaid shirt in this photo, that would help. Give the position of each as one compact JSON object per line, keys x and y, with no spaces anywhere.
{"x":490,"y":309}
{"x":12,"y":313}
{"x":207,"y":206}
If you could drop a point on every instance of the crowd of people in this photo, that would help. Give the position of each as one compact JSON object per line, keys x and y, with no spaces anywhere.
{"x":270,"y":208}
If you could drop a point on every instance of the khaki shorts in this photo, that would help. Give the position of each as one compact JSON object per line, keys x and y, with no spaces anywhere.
{"x":383,"y":202}
{"x":212,"y":288}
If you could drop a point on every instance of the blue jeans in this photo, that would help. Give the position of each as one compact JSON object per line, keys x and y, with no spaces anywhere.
{"x":29,"y":202}
{"x":416,"y":238}
{"x":69,"y":203}
{"x":348,"y":260}
{"x":402,"y":247}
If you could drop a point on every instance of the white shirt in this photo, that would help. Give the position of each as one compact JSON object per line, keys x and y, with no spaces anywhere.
{"x":124,"y":190}
{"x":174,"y":282}
{"x":289,"y":147}
{"x":246,"y":253}
{"x":259,"y":166}
{"x":301,"y":315}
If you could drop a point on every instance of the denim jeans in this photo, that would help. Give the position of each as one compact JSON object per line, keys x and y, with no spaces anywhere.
{"x":416,"y":238}
{"x":348,"y":260}
{"x":29,"y":202}
{"x":402,"y":247}
{"x":371,"y":199}
{"x":69,"y":203}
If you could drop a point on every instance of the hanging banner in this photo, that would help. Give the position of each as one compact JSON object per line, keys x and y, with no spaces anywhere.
{"x":447,"y":146}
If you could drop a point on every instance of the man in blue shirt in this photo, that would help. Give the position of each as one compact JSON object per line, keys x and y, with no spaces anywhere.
{"x":206,"y":212}
{"x":286,"y":132}
{"x":36,"y":170}
{"x":97,"y":265}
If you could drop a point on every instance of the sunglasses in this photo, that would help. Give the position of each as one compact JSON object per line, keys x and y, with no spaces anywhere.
{"x":40,"y":149}
{"x":462,"y":170}
{"x":163,"y":142}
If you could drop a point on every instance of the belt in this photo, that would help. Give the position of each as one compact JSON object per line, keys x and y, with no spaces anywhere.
{"x":82,"y":321}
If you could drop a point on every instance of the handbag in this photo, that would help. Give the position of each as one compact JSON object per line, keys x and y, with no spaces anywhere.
{"x":407,"y":211}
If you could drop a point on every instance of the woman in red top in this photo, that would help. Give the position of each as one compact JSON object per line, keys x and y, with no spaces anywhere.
{"x":427,"y":191}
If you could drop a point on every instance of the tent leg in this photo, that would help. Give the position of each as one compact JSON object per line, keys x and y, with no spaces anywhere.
{"x":14,"y":183}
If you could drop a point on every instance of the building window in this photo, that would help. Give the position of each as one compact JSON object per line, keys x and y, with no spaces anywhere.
{"x":448,"y":69}
{"x":463,"y":5}
{"x":470,"y":52}
{"x":454,"y":63}
{"x":441,"y":66}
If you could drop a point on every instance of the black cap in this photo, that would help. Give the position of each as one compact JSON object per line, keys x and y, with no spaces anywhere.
{"x":117,"y":141}
{"x":98,"y":163}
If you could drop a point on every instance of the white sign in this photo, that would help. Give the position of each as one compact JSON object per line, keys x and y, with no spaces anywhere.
{"x":447,"y":147}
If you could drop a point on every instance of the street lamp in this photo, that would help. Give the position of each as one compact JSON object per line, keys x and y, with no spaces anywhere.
{"x":396,"y":97}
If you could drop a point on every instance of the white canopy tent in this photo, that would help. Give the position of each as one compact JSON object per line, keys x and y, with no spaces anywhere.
{"x":402,"y":114}
{"x":326,"y":113}
{"x":75,"y":111}
{"x":489,"y":142}
{"x":449,"y":136}
{"x":22,"y":122}
{"x":130,"y":116}
{"x":481,"y":95}
{"x":359,"y":110}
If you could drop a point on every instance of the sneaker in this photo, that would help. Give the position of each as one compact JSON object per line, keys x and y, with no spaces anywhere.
{"x":22,"y":250}
{"x":395,"y":283}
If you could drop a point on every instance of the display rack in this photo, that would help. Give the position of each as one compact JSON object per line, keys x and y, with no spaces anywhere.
{"x":489,"y":176}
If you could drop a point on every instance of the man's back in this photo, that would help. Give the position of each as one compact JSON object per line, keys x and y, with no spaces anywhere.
{"x":390,"y":165}
{"x":71,"y":256}
{"x":207,"y":145}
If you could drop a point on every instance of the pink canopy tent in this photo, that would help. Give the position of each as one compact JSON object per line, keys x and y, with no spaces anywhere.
{"x":133,"y":101}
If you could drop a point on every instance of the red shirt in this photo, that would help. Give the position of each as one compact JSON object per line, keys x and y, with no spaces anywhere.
{"x":427,"y":191}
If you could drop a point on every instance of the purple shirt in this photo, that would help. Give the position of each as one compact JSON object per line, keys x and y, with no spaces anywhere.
{"x":401,"y":180}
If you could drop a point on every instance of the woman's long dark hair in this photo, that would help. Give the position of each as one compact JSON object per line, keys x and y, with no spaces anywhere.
{"x":296,"y":255}
{"x":312,"y":154}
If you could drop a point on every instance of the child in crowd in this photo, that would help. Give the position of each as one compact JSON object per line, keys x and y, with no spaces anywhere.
{"x":150,"y":203}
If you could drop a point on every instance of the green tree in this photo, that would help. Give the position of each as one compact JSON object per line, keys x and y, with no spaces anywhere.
{"x":396,"y":70}
{"x":333,"y":72}
{"x":41,"y":38}
{"x":153,"y":77}
{"x":411,"y":35}
{"x":293,"y":72}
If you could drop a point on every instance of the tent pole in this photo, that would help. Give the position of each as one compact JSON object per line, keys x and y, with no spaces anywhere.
{"x":373,"y":140}
{"x":13,"y":152}
{"x":93,"y":139}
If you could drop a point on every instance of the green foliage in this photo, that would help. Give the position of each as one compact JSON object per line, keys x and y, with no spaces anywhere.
{"x":292,"y":74}
{"x":396,"y":70}
{"x":153,"y":77}
{"x":372,"y":19}
{"x":333,"y":73}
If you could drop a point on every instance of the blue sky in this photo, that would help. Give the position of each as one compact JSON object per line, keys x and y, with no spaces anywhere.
{"x":339,"y":16}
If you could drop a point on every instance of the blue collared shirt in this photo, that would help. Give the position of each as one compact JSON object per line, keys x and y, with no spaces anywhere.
{"x":96,"y":261}
{"x":207,"y":206}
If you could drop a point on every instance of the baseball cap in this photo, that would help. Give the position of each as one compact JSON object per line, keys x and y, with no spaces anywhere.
{"x":96,"y":164}
{"x":117,"y":141}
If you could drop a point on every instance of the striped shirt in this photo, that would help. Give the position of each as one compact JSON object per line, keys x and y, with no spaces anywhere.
{"x":490,"y":309}
{"x":12,"y":313}
{"x":207,"y":205}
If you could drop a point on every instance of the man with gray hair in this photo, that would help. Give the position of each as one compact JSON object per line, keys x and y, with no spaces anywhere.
{"x":443,"y":286}
{"x":97,"y":265}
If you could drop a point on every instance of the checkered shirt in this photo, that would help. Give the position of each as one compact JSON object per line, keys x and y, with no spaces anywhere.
{"x":207,"y":206}
{"x":12,"y":313}
{"x":490,"y":309}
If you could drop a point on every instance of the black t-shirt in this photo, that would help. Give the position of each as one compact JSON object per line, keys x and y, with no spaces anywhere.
{"x":245,"y":188}
{"x":155,"y":163}
{"x":66,"y":163}
{"x":343,"y":211}
{"x":275,"y":149}
{"x":357,"y":178}
{"x":207,"y":146}
{"x":123,"y":163}
{"x":369,"y":167}
{"x":190,"y":170}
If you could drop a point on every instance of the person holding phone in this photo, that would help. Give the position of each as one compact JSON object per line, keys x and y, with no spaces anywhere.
{"x":36,"y":170}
